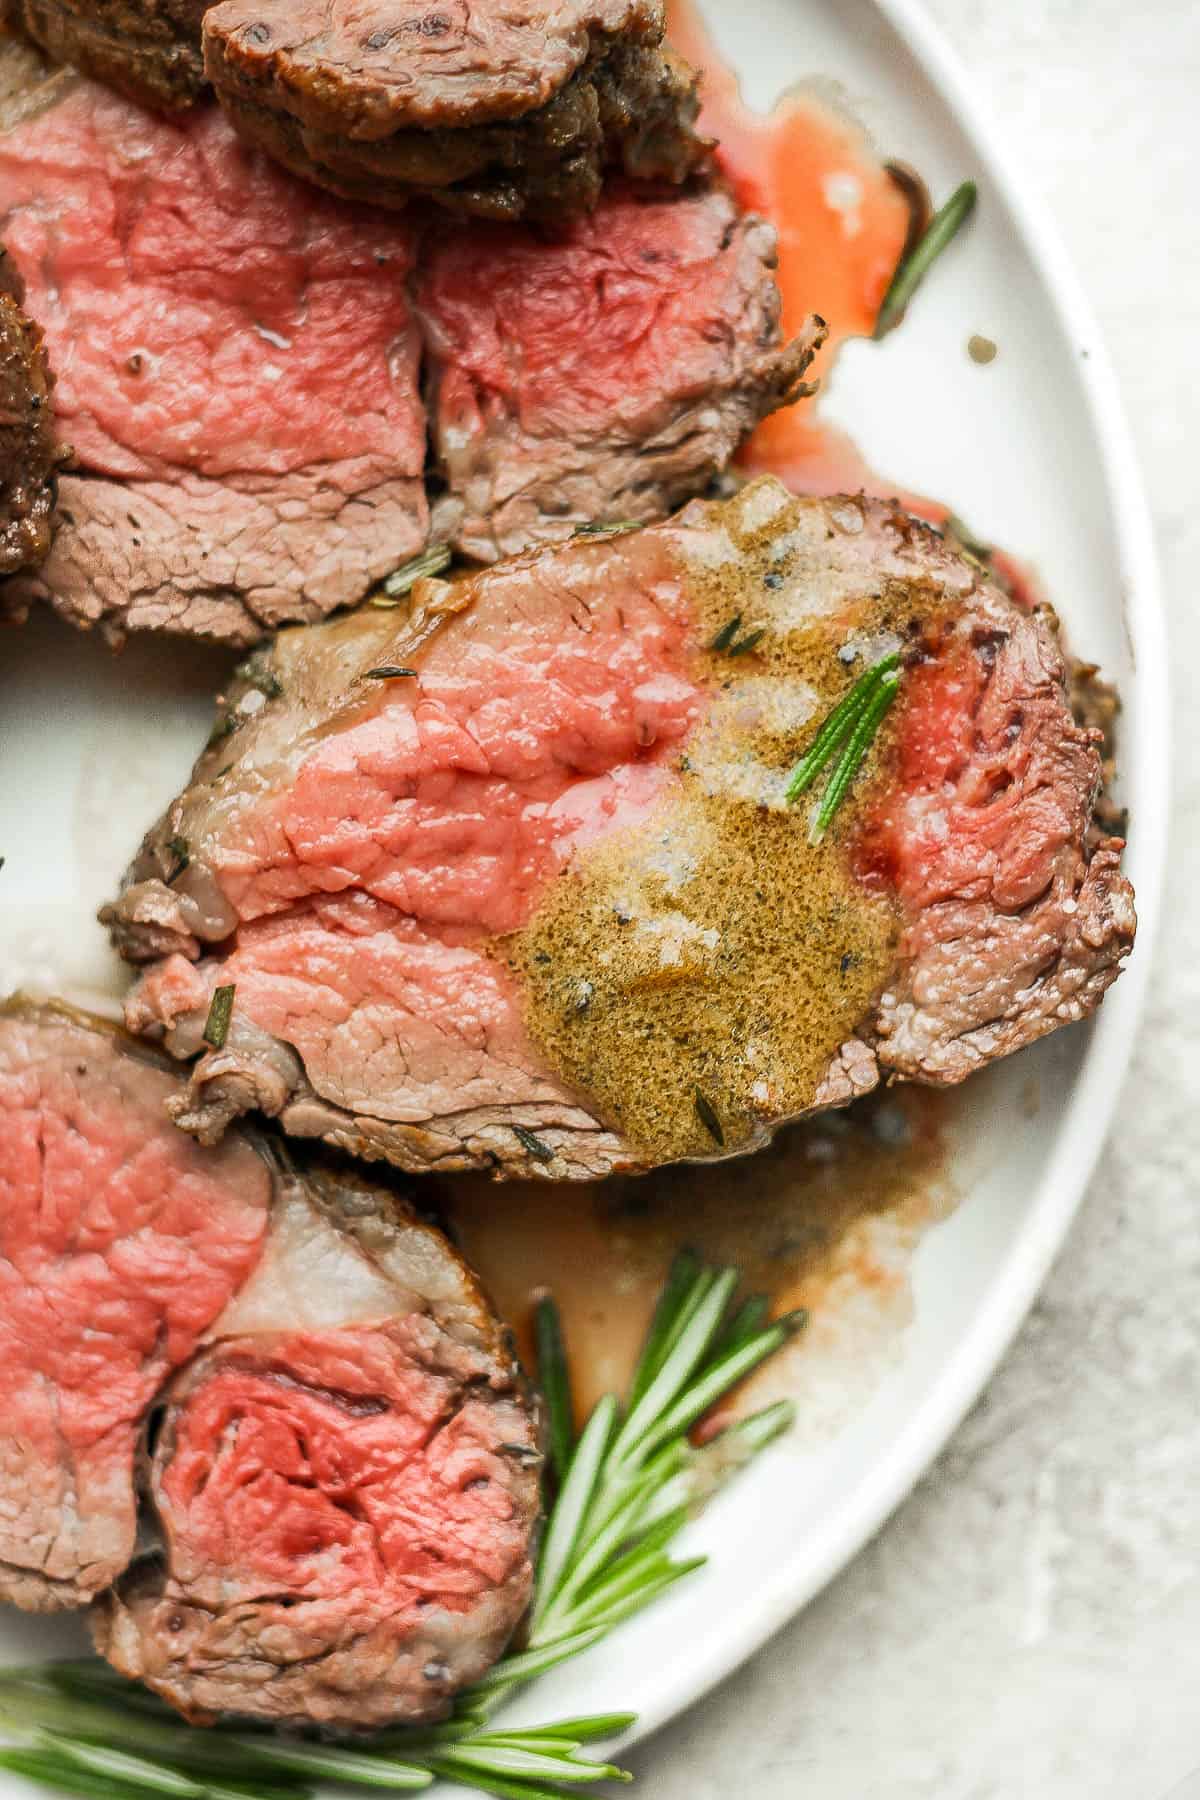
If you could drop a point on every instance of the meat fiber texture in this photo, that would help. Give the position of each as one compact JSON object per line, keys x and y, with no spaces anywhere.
{"x":120,"y":1243}
{"x":511,"y":879}
{"x":339,"y":1455}
{"x":344,"y":1484}
{"x":241,"y":365}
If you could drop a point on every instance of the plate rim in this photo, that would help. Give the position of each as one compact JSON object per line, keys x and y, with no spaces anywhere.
{"x":870,"y":1503}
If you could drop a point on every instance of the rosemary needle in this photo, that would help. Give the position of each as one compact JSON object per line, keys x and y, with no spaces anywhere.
{"x":862,"y":736}
{"x":838,"y":727}
{"x":401,"y":580}
{"x":216,"y":1026}
{"x":944,"y":225}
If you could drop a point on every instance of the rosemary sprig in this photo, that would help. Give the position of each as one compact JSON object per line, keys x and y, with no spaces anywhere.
{"x":402,"y":580}
{"x":944,"y":225}
{"x":387,"y":672}
{"x":607,"y":528}
{"x":628,"y":1485}
{"x":604,"y":1554}
{"x":847,"y":732}
{"x":853,"y":756}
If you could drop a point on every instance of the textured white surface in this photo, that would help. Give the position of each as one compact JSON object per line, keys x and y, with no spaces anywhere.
{"x":1028,"y":1625}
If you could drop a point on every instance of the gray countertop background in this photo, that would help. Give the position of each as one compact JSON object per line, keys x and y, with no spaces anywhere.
{"x":1027,"y":1627}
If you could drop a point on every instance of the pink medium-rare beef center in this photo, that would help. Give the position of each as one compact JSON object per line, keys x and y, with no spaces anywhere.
{"x":244,"y":366}
{"x":119,"y":1246}
{"x":260,"y":1419}
{"x":197,"y":317}
{"x":510,"y":880}
{"x":363,"y":889}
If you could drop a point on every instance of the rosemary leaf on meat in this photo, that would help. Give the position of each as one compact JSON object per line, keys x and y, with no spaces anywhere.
{"x":854,"y":754}
{"x":727,"y":638}
{"x":181,"y":850}
{"x":387,"y":672}
{"x":847,"y":733}
{"x":628,"y":1485}
{"x":707,"y":1115}
{"x":607,"y":528}
{"x":532,"y":1144}
{"x":945,"y":224}
{"x":972,"y":547}
{"x":401,"y":581}
{"x":216,"y":1026}
{"x":748,"y":642}
{"x":727,"y":633}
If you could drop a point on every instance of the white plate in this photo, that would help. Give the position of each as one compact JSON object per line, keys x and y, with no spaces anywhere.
{"x":1030,"y":449}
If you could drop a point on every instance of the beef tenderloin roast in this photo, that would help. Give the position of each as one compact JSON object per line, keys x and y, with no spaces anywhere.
{"x":501,"y":112}
{"x":322,"y":1415}
{"x":244,"y":363}
{"x":344,"y":1483}
{"x":606,"y":375}
{"x":510,"y":879}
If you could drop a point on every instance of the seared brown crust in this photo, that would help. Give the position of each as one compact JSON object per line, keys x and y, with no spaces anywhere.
{"x":29,"y":455}
{"x":493,"y":112}
{"x":227,"y":560}
{"x":146,"y":49}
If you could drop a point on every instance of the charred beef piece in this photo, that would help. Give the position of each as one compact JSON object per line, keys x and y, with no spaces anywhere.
{"x":120,"y":1243}
{"x":29,"y":454}
{"x":344,"y":1484}
{"x":512,"y":880}
{"x":501,"y":112}
{"x":149,"y":50}
{"x":240,"y":371}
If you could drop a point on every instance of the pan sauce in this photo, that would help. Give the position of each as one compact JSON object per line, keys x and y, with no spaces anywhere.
{"x":826,"y":1218}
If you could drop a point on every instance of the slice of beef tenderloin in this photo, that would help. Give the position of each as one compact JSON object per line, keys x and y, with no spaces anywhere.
{"x":504,"y":113}
{"x":608,"y":374}
{"x":344,"y":1483}
{"x":120,"y":1242}
{"x":149,"y":50}
{"x":30,"y":455}
{"x":501,"y":112}
{"x":512,"y":878}
{"x":238,"y":373}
